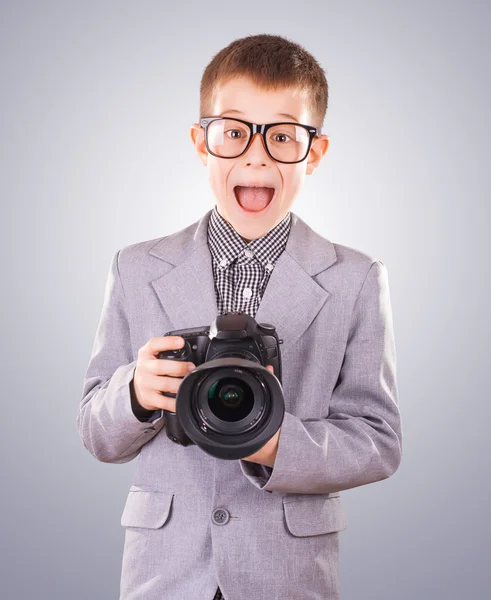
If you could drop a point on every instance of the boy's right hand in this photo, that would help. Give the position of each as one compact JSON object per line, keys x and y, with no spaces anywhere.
{"x":155,"y":375}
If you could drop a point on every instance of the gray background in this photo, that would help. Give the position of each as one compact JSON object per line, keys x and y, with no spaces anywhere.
{"x":97,"y":100}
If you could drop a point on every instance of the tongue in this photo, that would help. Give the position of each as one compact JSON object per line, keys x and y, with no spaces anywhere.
{"x":254,"y":198}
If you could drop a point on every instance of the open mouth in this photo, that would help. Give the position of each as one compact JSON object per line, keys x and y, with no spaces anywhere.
{"x":254,"y":198}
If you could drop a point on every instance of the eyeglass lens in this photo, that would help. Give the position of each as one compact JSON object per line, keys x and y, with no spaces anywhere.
{"x":287,"y":142}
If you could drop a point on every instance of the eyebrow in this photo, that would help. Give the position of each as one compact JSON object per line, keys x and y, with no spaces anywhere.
{"x":241,"y":113}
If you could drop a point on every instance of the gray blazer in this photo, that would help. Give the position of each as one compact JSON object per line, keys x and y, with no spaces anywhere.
{"x":193,"y":521}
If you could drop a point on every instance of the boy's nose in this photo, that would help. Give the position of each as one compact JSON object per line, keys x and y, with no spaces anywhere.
{"x":257,"y":149}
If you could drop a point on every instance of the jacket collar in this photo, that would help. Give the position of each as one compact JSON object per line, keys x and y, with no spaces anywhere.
{"x":292,"y":297}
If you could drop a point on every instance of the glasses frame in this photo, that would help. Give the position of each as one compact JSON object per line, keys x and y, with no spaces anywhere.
{"x":262,"y":129}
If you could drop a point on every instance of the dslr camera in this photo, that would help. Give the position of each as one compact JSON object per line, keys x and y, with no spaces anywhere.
{"x":230,"y":405}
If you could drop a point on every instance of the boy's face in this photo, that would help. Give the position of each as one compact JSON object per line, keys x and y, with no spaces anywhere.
{"x":255,"y":166}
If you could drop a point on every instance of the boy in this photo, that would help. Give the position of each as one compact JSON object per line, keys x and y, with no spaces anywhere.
{"x":266,"y":526}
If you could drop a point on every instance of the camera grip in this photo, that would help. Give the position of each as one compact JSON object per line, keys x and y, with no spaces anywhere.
{"x":174,"y":429}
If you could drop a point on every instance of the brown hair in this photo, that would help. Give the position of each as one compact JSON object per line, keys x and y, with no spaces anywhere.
{"x":271,"y":62}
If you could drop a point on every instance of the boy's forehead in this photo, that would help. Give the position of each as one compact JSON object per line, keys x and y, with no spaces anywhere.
{"x":241,"y":98}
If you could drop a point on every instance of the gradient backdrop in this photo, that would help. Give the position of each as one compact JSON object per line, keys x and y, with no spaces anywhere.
{"x":96,"y":104}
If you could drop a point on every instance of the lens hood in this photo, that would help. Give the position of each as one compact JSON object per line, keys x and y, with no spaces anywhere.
{"x":243,"y":431}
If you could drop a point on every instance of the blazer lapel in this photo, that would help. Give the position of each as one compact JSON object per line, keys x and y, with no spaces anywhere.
{"x":292,"y":297}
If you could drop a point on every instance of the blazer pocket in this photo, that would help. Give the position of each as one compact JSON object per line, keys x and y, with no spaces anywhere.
{"x":314,"y":516}
{"x":146,"y":508}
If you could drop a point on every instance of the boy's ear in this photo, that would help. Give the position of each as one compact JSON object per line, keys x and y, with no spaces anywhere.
{"x":197,"y":134}
{"x":317,"y":150}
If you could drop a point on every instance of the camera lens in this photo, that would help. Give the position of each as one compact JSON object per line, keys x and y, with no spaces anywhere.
{"x":230,"y":399}
{"x":231,"y":395}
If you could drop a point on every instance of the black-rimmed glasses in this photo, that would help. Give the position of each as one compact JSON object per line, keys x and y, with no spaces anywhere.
{"x":285,"y":142}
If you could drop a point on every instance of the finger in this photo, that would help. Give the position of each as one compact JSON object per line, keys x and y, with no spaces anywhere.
{"x":162,"y":383}
{"x":160,"y":344}
{"x":157,"y":399}
{"x":164,"y":366}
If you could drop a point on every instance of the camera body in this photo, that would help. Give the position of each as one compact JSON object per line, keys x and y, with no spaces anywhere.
{"x":230,"y":405}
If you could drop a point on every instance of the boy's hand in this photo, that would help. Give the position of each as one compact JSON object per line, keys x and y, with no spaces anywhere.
{"x":267,"y":454}
{"x":155,"y":375}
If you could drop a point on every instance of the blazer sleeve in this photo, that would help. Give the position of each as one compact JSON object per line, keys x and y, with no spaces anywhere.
{"x":106,"y":422}
{"x":360,"y":440}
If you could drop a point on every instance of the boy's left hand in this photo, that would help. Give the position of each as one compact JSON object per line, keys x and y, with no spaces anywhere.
{"x":267,"y":454}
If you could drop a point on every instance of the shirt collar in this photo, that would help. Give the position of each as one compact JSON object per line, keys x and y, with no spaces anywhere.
{"x":226,"y":244}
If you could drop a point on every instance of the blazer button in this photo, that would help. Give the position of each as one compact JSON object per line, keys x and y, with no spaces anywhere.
{"x":220,"y":516}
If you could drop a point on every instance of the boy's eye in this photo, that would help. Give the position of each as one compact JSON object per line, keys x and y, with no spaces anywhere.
{"x":282,"y":137}
{"x":233,"y":131}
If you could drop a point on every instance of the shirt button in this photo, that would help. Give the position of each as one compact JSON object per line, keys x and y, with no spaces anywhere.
{"x":269,"y":266}
{"x":247,"y":293}
{"x":248,"y":253}
{"x":223,"y":262}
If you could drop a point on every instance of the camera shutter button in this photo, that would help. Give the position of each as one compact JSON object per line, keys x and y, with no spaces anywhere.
{"x":266,"y":327}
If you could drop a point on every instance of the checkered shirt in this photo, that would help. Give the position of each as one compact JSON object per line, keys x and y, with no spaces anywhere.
{"x":242,"y":270}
